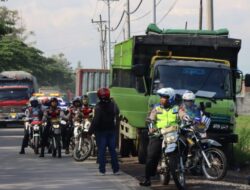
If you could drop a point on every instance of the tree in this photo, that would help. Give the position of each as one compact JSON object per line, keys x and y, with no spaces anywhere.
{"x":15,"y":54}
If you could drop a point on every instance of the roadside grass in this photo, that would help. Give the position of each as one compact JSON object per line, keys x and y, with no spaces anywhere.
{"x":242,"y":148}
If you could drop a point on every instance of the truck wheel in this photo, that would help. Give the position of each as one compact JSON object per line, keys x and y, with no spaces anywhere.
{"x":228,"y":150}
{"x":124,"y":147}
{"x":3,"y":125}
{"x":142,"y":150}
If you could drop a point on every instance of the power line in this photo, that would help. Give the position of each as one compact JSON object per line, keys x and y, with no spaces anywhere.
{"x":138,"y":6}
{"x":166,"y":14}
{"x":123,"y":13}
{"x":146,"y":14}
{"x":113,"y":29}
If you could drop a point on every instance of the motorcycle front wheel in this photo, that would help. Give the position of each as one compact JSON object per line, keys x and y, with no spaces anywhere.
{"x":164,"y":172}
{"x":36,"y":144}
{"x":218,"y":163}
{"x":177,"y":172}
{"x":82,"y":151}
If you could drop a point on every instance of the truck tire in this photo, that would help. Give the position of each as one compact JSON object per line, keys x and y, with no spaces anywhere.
{"x":3,"y":125}
{"x":142,"y":149}
{"x":228,"y":150}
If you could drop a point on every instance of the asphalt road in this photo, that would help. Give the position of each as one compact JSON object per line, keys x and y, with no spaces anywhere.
{"x":31,"y":172}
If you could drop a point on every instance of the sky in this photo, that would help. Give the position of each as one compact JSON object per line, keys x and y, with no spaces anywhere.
{"x":64,"y":26}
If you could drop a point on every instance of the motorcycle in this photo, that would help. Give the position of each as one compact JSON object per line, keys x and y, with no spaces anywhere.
{"x":34,"y":126}
{"x":56,"y":138}
{"x":205,"y":154}
{"x":173,"y":157}
{"x":83,"y":143}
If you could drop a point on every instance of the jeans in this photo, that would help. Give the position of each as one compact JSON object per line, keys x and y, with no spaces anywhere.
{"x":106,"y":139}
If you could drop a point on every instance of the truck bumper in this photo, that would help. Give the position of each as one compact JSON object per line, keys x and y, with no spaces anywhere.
{"x":224,"y":138}
{"x":11,"y":120}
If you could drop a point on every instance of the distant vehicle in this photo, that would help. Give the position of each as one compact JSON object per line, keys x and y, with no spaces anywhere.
{"x":92,"y":96}
{"x":16,"y":87}
{"x":62,"y":104}
{"x":12,"y":101}
{"x":88,"y":80}
{"x":19,"y":78}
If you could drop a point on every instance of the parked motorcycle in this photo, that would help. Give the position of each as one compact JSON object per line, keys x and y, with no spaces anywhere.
{"x":83,"y":143}
{"x":205,"y":154}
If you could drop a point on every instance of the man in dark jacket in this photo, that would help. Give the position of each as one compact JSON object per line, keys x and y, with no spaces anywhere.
{"x":105,"y":125}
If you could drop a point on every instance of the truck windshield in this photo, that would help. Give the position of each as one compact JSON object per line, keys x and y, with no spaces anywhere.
{"x":14,"y":94}
{"x":216,"y":80}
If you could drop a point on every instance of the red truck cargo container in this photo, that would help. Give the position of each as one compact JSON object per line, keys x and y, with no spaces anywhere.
{"x":91,"y":80}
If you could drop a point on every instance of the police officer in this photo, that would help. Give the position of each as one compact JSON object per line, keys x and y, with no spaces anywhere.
{"x":162,"y":115}
{"x":53,"y":112}
{"x":32,"y":112}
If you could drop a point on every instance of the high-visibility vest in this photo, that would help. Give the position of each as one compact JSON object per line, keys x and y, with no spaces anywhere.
{"x":165,"y":117}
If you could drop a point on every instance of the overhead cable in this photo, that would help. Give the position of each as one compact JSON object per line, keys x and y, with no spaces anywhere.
{"x":123,"y":13}
{"x":138,"y":6}
{"x":113,"y":29}
{"x":170,"y":9}
{"x":146,"y":14}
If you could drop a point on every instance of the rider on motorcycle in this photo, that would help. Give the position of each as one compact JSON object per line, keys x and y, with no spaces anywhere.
{"x":188,"y":109}
{"x":162,"y":116}
{"x":76,"y":108}
{"x":53,"y":112}
{"x":33,"y":111}
{"x":87,"y":110}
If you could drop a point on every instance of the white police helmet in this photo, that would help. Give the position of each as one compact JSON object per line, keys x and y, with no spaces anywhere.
{"x":167,"y":92}
{"x":188,"y":96}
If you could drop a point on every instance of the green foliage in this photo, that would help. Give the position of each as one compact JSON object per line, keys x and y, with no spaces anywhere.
{"x":242,"y":148}
{"x":15,"y":54}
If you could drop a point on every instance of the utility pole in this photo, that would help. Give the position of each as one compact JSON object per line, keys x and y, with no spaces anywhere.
{"x":210,"y":15}
{"x":201,"y":13}
{"x":102,"y":41}
{"x":109,"y":30}
{"x":154,"y":11}
{"x":128,"y":20}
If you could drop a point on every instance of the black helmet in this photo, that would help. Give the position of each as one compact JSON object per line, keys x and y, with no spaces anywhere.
{"x":33,"y":101}
{"x":53,"y":99}
{"x":77,"y":99}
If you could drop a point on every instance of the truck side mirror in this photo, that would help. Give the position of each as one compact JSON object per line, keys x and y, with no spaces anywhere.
{"x":247,"y":80}
{"x":138,"y":70}
{"x":238,"y":77}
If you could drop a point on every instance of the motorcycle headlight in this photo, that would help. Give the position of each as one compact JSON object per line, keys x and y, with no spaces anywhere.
{"x":170,"y":137}
{"x":56,"y":126}
{"x":36,"y":127}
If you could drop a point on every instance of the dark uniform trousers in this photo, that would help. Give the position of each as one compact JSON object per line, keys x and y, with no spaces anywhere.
{"x":154,"y":151}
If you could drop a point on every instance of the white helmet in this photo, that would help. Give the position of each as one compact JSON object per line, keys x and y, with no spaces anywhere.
{"x":167,"y":92}
{"x":188,"y":95}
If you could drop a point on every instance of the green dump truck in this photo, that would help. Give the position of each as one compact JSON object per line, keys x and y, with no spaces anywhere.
{"x":204,"y":62}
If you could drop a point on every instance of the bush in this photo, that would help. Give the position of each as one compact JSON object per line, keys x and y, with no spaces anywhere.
{"x":242,"y":148}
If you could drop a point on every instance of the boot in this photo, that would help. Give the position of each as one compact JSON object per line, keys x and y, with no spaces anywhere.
{"x":67,"y":151}
{"x":59,"y":153}
{"x":42,"y":152}
{"x":22,"y":151}
{"x":146,"y":183}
